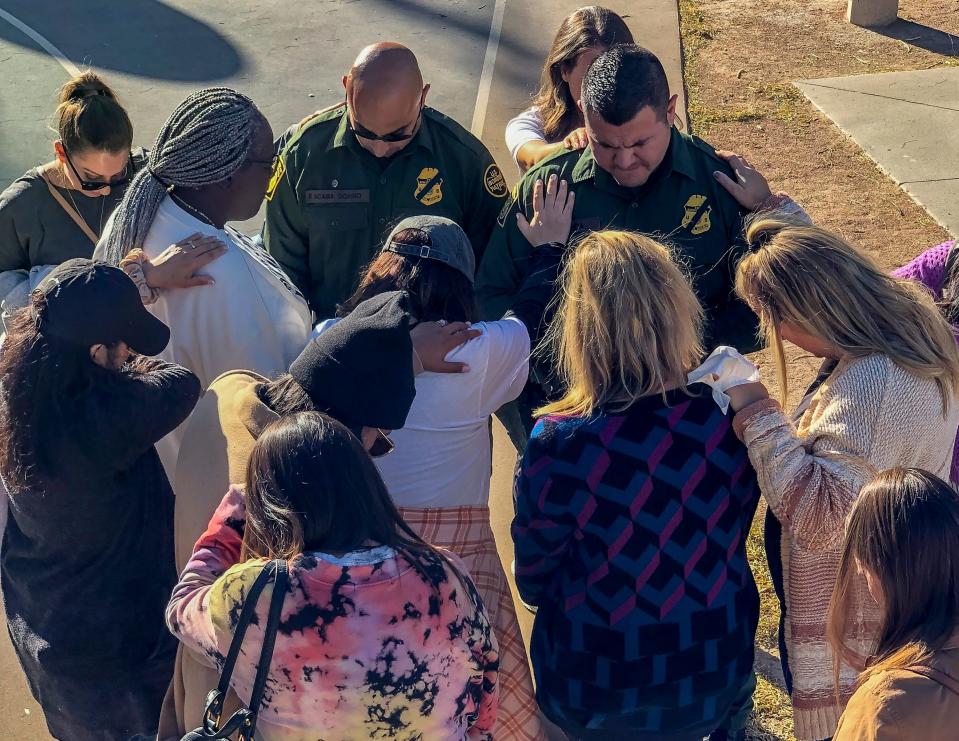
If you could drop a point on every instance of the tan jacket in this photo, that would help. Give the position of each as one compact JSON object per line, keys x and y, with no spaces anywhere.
{"x":216,"y":447}
{"x":904,"y":705}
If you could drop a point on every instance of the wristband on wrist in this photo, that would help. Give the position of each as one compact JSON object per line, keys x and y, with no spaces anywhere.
{"x":132,"y":265}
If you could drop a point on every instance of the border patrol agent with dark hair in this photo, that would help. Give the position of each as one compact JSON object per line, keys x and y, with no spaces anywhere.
{"x":348,"y":174}
{"x":638,"y":174}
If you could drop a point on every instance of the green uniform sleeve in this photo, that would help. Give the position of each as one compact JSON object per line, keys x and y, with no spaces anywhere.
{"x":487,"y":193}
{"x":285,"y":232}
{"x":506,"y":260}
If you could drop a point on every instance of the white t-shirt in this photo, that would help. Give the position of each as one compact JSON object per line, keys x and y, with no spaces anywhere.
{"x":442,"y":455}
{"x":252,"y":319}
{"x":525,"y":128}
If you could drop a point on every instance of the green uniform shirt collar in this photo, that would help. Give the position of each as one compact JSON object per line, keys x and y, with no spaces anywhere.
{"x":345,"y":138}
{"x":677,"y":159}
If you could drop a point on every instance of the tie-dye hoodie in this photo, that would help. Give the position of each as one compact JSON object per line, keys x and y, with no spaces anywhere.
{"x":371,"y":645}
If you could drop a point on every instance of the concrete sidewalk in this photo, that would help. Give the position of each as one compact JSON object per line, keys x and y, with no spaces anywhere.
{"x":908,"y":123}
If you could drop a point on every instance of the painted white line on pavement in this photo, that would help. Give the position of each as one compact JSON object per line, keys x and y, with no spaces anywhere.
{"x":42,"y":42}
{"x":489,"y":63}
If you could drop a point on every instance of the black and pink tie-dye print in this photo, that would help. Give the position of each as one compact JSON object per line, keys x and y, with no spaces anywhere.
{"x":373,"y":645}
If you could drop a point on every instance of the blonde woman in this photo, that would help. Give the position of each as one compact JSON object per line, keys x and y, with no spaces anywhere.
{"x":633,"y":502}
{"x":886,"y":398}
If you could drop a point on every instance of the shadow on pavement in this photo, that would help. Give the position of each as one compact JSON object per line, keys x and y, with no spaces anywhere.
{"x":146,"y":38}
{"x":922,"y":36}
{"x":510,"y":40}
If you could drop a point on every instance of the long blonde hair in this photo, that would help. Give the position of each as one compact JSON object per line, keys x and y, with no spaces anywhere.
{"x":628,"y":324}
{"x":822,"y":285}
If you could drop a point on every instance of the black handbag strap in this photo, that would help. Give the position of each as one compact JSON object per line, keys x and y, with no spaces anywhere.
{"x":266,"y":652}
{"x":246,"y":617}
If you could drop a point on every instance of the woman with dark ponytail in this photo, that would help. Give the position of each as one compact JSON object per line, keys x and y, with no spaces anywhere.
{"x":57,"y":211}
{"x":91,"y":168}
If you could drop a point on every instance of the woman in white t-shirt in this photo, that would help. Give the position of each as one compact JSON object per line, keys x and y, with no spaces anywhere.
{"x":439,"y":472}
{"x":554,"y":123}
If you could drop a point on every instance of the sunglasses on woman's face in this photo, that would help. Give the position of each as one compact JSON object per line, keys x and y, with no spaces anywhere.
{"x":122,"y":179}
{"x":382,"y":445}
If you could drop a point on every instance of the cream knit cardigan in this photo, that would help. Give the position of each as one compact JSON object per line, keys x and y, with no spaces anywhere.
{"x":868,"y":415}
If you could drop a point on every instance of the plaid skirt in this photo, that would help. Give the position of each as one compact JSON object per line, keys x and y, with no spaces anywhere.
{"x":466,"y":532}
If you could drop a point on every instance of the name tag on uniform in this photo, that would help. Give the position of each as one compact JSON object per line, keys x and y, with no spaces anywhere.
{"x":314,"y":197}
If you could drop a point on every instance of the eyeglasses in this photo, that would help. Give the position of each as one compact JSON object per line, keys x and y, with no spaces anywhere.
{"x":363,"y":133}
{"x":266,"y":163}
{"x":122,"y":179}
{"x":382,"y":445}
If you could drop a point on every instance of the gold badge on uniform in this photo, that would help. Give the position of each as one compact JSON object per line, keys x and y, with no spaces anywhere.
{"x":279,"y":170}
{"x":428,"y":186}
{"x":697,"y":210}
{"x":495,"y":182}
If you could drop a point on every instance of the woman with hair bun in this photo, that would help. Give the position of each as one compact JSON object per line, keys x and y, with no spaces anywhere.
{"x":57,"y":211}
{"x":91,"y":167}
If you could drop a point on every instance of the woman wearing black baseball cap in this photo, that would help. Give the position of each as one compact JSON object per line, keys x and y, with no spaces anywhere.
{"x":87,"y":563}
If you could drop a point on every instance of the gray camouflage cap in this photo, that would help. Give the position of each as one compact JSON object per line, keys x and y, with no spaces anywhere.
{"x":448,"y":243}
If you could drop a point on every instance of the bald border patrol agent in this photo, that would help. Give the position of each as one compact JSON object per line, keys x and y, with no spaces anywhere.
{"x":332,"y":200}
{"x":638,"y":174}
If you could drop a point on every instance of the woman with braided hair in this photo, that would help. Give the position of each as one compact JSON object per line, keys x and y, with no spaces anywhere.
{"x":211,"y":164}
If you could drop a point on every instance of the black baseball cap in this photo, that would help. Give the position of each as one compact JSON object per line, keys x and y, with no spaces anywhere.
{"x":91,"y":303}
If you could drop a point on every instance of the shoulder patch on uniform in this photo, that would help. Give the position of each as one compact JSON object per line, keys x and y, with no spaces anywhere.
{"x":279,"y":170}
{"x":495,"y":182}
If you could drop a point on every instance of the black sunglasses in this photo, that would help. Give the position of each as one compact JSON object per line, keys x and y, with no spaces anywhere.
{"x":363,"y":133}
{"x":122,"y":179}
{"x":382,"y":445}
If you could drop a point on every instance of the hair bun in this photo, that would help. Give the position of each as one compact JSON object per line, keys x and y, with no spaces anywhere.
{"x":85,"y":85}
{"x":763,"y":227}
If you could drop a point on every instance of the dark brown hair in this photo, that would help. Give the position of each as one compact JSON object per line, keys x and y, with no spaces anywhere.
{"x":40,"y":380}
{"x":592,"y":27}
{"x":89,"y":116}
{"x":437,"y":291}
{"x":310,"y":486}
{"x":903,"y":530}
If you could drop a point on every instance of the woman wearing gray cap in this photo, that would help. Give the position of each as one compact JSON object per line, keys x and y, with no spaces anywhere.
{"x":439,"y":472}
{"x":88,"y":547}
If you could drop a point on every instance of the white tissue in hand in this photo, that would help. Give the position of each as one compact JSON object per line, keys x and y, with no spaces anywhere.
{"x":723,"y":369}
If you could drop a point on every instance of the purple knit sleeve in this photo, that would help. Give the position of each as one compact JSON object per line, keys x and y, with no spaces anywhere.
{"x":929,"y":268}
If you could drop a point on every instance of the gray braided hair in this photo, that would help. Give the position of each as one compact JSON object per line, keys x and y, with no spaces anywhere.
{"x":205,"y":140}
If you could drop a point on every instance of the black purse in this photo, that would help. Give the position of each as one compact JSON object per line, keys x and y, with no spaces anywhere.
{"x":244,"y":719}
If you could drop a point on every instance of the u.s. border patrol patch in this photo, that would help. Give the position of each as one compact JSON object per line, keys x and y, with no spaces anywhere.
{"x":696,"y":215}
{"x":495,"y":182}
{"x":429,"y":186}
{"x":279,"y":170}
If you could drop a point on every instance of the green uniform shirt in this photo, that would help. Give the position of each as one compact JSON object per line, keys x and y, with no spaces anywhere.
{"x":681,"y":204}
{"x":331,"y":203}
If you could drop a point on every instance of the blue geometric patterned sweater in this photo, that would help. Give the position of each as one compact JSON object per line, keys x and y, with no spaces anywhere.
{"x":630,"y":535}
